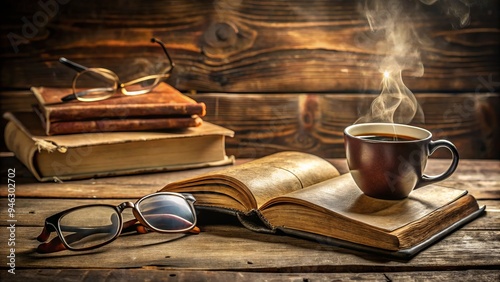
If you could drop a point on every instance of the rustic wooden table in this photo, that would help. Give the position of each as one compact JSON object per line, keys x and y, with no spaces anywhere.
{"x":226,"y":251}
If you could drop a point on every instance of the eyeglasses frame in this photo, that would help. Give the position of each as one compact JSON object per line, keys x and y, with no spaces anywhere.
{"x":118,"y":85}
{"x":52,"y":223}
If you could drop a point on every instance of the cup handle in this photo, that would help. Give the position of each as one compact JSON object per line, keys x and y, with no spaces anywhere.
{"x":433,"y":146}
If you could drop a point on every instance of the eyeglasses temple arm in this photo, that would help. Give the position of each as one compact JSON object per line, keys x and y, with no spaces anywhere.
{"x":154,"y":40}
{"x":44,"y":236}
{"x":69,"y":97}
{"x":195,"y":230}
{"x":55,"y":245}
{"x":72,"y":65}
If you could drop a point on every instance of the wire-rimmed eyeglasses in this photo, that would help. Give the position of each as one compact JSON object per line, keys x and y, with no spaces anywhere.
{"x":95,"y":84}
{"x":92,"y":226}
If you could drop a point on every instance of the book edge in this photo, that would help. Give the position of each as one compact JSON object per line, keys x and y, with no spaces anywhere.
{"x":36,"y":91}
{"x":59,"y":140}
{"x":51,"y":109}
{"x":228,"y":160}
{"x":445,"y":209}
{"x":44,"y":118}
{"x":126,"y":125}
{"x":400,"y":254}
{"x":403,"y":254}
{"x":25,"y":156}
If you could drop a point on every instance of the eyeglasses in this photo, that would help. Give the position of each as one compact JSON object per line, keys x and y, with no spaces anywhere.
{"x":92,"y":226}
{"x":95,"y":84}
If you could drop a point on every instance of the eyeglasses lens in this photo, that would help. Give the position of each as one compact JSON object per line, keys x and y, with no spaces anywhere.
{"x":142,"y":86}
{"x":89,"y":226}
{"x":95,"y":84}
{"x":167,"y":212}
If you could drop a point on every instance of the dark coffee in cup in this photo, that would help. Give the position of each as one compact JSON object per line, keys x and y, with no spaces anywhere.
{"x":386,"y":137}
{"x":387,"y":161}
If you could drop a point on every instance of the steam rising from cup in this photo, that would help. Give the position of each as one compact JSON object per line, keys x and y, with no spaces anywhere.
{"x":391,"y":21}
{"x":394,"y":24}
{"x":395,"y":104}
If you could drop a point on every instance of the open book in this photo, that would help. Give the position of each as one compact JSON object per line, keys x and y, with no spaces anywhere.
{"x":304,"y":195}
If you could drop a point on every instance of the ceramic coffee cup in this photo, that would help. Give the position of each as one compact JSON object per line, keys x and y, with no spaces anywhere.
{"x":387,"y":160}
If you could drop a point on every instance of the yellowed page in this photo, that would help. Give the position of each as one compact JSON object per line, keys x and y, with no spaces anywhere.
{"x":268,"y":177}
{"x":340,"y":195}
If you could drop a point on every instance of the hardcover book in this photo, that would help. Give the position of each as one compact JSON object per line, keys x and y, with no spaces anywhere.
{"x":87,"y":155}
{"x":304,"y":195}
{"x":164,"y":107}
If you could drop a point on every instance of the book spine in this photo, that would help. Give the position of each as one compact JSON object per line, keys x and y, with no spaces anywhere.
{"x":24,"y":148}
{"x":255,"y":221}
{"x":133,"y":171}
{"x":43,"y":118}
{"x":77,"y":112}
{"x":114,"y":125}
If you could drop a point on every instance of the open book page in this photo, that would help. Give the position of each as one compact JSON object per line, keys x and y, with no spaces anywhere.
{"x":262,"y":179}
{"x":341,"y":196}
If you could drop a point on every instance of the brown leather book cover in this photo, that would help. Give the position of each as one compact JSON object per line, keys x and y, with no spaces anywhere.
{"x":164,"y":101}
{"x":112,"y":125}
{"x":163,"y":108}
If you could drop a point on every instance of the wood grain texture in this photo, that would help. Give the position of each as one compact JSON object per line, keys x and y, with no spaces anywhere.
{"x":166,"y":274}
{"x":33,"y":211}
{"x":265,"y":123}
{"x":284,"y":75}
{"x":232,"y":247}
{"x":225,"y":250}
{"x":245,"y":46}
{"x":481,"y":181}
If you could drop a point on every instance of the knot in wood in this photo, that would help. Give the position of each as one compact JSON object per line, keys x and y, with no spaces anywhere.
{"x":221,"y":34}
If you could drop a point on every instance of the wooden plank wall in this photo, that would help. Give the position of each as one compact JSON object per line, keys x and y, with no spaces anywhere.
{"x":282,"y":74}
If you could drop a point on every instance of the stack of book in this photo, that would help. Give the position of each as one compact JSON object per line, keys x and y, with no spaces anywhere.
{"x":159,"y":131}
{"x":164,"y":107}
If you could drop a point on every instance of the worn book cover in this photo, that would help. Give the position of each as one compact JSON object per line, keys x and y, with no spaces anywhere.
{"x":87,"y":155}
{"x":164,"y":107}
{"x":304,"y":195}
{"x":135,"y":123}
